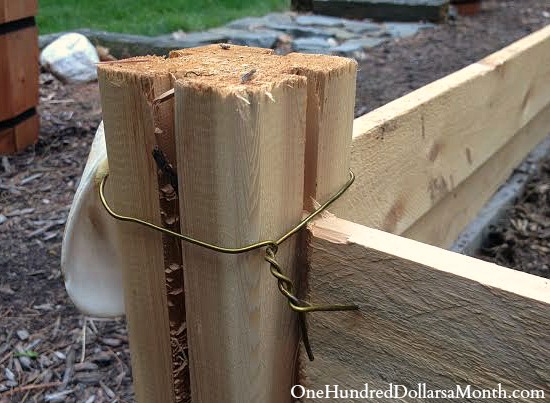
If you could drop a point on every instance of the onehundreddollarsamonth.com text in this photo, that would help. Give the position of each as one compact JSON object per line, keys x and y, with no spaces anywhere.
{"x":420,"y":391}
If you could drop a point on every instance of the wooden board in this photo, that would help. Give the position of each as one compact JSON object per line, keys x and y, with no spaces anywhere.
{"x":442,"y":224}
{"x":22,"y":134}
{"x":12,"y":10}
{"x":18,"y":72}
{"x":426,"y":316}
{"x":128,"y":116}
{"x":268,"y":147}
{"x":241,"y":152}
{"x":329,"y":123}
{"x":385,"y":10}
{"x":413,"y":152}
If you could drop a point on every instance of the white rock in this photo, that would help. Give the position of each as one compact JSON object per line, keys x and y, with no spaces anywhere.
{"x":72,"y":58}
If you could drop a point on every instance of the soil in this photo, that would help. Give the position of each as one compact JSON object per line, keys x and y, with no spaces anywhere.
{"x":41,"y":333}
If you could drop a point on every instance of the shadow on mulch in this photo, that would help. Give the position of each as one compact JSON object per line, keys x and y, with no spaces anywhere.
{"x":42,"y":334}
{"x":522,"y":239}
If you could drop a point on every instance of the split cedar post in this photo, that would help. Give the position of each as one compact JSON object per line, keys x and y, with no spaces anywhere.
{"x":426,"y":316}
{"x":240,"y":158}
{"x":133,"y":190}
{"x":136,"y":122}
{"x":241,"y":146}
{"x":242,"y":167}
{"x":330,"y":108}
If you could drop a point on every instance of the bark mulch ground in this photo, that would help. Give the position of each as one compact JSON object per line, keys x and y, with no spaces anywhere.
{"x":50,"y":352}
{"x":521,"y":240}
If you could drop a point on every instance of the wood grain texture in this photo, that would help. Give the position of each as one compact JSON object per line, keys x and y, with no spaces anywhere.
{"x":426,"y":315}
{"x":17,"y":138}
{"x":329,"y":122}
{"x":266,"y":117}
{"x":411,"y":153}
{"x":442,"y":224}
{"x":18,"y":72}
{"x":12,"y":10}
{"x":130,"y":136}
{"x":391,"y":10}
{"x":240,"y":163}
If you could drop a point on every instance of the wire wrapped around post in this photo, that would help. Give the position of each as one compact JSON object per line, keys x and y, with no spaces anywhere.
{"x":285,"y":285}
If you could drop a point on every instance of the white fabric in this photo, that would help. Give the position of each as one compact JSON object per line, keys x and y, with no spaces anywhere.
{"x":89,"y":258}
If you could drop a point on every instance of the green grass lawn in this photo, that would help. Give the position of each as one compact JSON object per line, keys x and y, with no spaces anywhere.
{"x":148,"y":17}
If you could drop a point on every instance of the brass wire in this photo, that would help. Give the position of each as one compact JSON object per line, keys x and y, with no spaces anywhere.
{"x":284,"y":283}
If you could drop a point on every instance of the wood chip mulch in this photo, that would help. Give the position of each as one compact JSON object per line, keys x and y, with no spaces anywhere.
{"x":49,"y":352}
{"x":522,"y":239}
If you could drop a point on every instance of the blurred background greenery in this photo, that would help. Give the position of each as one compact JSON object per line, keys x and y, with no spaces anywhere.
{"x":148,"y":17}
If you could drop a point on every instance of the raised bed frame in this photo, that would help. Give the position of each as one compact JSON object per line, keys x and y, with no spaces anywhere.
{"x":425,"y":164}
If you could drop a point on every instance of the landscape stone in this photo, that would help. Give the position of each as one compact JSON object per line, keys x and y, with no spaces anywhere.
{"x":199,"y":38}
{"x":320,"y":20}
{"x":280,"y":18}
{"x":355,"y":45}
{"x":248,"y":23}
{"x":342,"y":34}
{"x":251,"y":23}
{"x":313,"y":43}
{"x":362,"y":26}
{"x":258,"y":38}
{"x":385,"y":10}
{"x":404,"y":29}
{"x":299,"y":30}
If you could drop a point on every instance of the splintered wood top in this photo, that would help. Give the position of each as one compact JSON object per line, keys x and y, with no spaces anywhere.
{"x":226,"y":69}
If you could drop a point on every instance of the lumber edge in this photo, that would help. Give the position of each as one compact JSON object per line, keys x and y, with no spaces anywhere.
{"x":338,"y":231}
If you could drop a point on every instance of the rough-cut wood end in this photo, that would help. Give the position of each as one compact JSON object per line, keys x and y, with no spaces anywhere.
{"x":219,"y":65}
{"x":221,"y":49}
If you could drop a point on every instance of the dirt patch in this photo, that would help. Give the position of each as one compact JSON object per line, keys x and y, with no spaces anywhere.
{"x":398,"y":67}
{"x":41,"y":333}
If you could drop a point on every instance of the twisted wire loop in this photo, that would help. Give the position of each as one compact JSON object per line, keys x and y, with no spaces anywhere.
{"x":284,"y":283}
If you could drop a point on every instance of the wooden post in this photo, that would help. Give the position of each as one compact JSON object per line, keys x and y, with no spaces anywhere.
{"x":126,"y":96}
{"x":330,"y":107}
{"x":241,"y":146}
{"x":19,"y":122}
{"x":240,"y":159}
